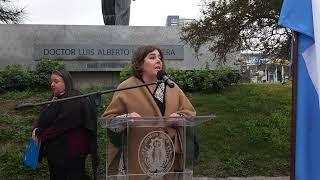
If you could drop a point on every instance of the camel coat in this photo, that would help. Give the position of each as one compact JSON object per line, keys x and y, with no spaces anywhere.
{"x":141,"y":101}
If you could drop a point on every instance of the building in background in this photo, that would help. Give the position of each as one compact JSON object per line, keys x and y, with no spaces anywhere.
{"x":174,"y":20}
{"x":258,"y":69}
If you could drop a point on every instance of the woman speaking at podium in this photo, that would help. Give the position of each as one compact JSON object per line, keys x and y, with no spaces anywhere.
{"x":158,"y":100}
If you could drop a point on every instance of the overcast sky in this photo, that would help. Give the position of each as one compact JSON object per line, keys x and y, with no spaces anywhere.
{"x":88,"y":12}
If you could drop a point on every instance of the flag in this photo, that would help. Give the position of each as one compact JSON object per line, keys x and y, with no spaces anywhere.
{"x":303,"y":16}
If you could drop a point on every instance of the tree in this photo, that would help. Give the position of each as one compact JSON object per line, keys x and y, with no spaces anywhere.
{"x":233,"y":25}
{"x":8,"y":14}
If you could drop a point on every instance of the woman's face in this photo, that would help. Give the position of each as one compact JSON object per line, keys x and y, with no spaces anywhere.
{"x":57,"y":85}
{"x":152,"y":65}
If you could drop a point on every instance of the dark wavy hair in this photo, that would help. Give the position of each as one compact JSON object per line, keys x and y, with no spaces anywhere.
{"x":138,"y":59}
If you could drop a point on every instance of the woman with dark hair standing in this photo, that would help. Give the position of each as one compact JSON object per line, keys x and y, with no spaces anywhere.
{"x":67,"y":130}
{"x":151,"y":101}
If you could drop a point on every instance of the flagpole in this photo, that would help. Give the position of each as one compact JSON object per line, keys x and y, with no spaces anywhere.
{"x":293,"y":107}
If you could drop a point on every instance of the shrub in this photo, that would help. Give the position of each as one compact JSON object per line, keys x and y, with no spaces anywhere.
{"x":200,"y":80}
{"x":204,"y":80}
{"x":2,"y":87}
{"x":125,"y":73}
{"x":43,"y":69}
{"x":15,"y":77}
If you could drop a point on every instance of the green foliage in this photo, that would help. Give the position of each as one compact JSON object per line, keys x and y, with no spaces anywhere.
{"x":229,"y":26}
{"x":14,"y":164}
{"x":251,"y":134}
{"x":2,"y":81}
{"x":202,"y":80}
{"x":15,"y":77}
{"x":125,"y":73}
{"x":17,"y":94}
{"x":43,"y":70}
{"x":269,"y":130}
{"x":15,"y":131}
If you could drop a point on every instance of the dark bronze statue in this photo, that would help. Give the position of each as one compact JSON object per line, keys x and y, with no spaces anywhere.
{"x":116,"y":12}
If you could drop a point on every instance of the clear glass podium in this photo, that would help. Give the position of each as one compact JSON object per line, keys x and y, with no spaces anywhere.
{"x":151,"y":147}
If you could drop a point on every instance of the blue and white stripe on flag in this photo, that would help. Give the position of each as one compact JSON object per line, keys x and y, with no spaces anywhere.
{"x":303,"y":16}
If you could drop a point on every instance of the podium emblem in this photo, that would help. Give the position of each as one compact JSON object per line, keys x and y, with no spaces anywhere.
{"x":156,"y":153}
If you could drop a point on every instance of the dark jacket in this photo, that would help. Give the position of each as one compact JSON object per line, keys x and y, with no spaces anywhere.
{"x":68,"y":129}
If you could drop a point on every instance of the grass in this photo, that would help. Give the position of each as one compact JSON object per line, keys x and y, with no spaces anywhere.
{"x":249,"y":137}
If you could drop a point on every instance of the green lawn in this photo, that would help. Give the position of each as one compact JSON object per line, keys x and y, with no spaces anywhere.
{"x":249,"y":137}
{"x":251,"y":134}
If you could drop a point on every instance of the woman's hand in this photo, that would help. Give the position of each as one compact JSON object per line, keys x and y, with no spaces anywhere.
{"x":132,"y":118}
{"x":174,"y":115}
{"x":34,"y":137}
{"x":133,"y":114}
{"x":176,"y":119}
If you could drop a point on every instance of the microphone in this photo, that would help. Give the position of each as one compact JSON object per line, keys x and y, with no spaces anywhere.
{"x":162,"y":75}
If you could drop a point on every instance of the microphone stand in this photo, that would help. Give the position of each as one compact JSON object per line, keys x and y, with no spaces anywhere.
{"x":99,"y":93}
